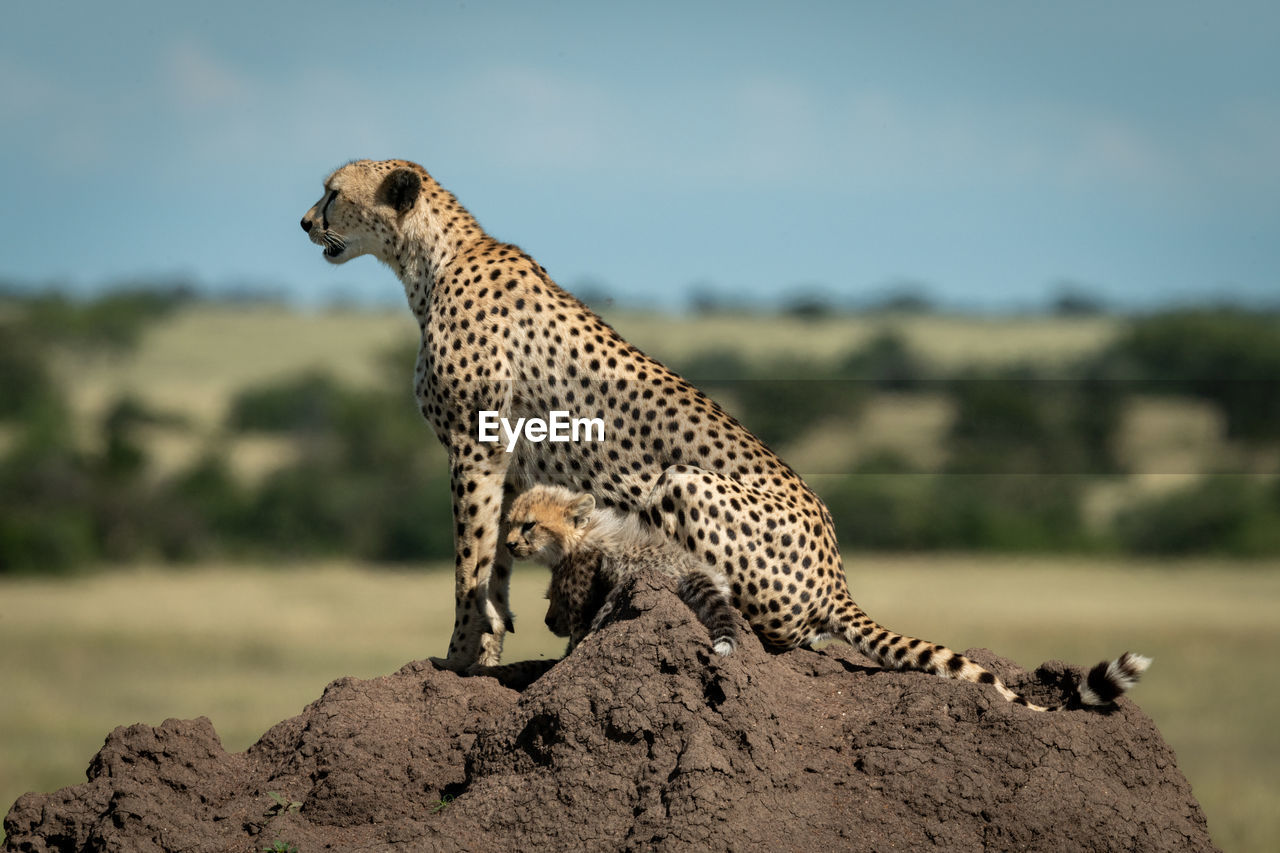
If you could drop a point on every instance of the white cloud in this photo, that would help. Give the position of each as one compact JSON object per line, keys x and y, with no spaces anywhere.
{"x":198,"y":80}
{"x":1104,"y":149}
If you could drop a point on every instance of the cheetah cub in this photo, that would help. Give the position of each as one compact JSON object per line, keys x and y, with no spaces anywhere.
{"x":590,"y":550}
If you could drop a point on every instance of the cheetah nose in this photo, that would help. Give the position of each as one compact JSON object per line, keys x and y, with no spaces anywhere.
{"x":306,"y":225}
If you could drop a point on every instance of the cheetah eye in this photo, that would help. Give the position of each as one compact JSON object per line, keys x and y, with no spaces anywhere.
{"x":527,"y":526}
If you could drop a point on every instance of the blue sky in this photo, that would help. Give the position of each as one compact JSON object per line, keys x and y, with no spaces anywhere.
{"x":987,"y":150}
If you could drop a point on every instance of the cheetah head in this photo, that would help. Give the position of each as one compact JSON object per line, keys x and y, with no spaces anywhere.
{"x":362,"y":207}
{"x":546,"y":522}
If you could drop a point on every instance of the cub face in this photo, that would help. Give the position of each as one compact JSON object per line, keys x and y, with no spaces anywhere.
{"x":531,"y":539}
{"x":545,"y":523}
{"x":362,"y":207}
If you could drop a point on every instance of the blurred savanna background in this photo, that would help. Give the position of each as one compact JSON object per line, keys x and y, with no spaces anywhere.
{"x":1001,"y":285}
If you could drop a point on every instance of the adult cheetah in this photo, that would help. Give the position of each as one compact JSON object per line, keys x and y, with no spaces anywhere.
{"x":498,"y":335}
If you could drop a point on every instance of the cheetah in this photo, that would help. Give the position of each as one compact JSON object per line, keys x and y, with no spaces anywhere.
{"x":591,"y":550}
{"x":498,"y":335}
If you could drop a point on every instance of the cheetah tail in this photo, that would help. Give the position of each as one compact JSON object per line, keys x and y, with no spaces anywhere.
{"x":1106,"y":682}
{"x":1103,"y":685}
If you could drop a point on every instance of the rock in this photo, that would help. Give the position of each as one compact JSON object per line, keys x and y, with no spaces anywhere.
{"x":643,"y":739}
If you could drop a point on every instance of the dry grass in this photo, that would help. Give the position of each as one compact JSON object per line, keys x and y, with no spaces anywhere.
{"x":248,"y":647}
{"x":944,"y":340}
{"x":1170,"y":436}
{"x":913,"y":426}
{"x":193,"y":362}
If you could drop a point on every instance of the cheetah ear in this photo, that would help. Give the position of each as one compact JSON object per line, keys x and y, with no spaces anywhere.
{"x":400,"y":189}
{"x":581,"y":508}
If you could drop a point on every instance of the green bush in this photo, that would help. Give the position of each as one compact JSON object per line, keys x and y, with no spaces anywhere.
{"x":373,"y":482}
{"x":809,"y":306}
{"x":887,"y":362}
{"x":414,"y":521}
{"x":25,"y":380}
{"x":881,"y":512}
{"x":888,"y":506}
{"x":1016,"y":422}
{"x":1229,"y":357}
{"x":44,"y":540}
{"x":303,"y":509}
{"x":1008,"y":512}
{"x":114,"y":320}
{"x":46,"y":498}
{"x":716,"y":365}
{"x":311,"y":403}
{"x":1230,"y":515}
{"x":778,"y":403}
{"x":203,"y":512}
{"x":321,"y":506}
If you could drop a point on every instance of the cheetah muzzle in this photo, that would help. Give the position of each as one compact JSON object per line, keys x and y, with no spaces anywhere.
{"x":334,"y":244}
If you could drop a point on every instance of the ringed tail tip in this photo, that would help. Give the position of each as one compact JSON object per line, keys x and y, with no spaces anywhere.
{"x":1107,"y":681}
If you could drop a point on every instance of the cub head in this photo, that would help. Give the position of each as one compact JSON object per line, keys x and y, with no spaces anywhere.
{"x":363,"y":205}
{"x":547,"y":522}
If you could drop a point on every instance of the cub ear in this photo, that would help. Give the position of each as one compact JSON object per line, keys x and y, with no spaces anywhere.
{"x":581,"y":508}
{"x":400,"y":189}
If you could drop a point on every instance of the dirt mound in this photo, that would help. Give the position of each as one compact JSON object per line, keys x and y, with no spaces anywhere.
{"x":643,"y":740}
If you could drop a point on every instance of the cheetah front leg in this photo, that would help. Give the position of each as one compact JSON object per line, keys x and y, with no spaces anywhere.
{"x":482,"y":614}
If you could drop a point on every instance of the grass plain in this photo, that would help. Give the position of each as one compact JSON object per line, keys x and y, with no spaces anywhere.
{"x":946,"y":341}
{"x":248,"y":646}
{"x":193,"y":362}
